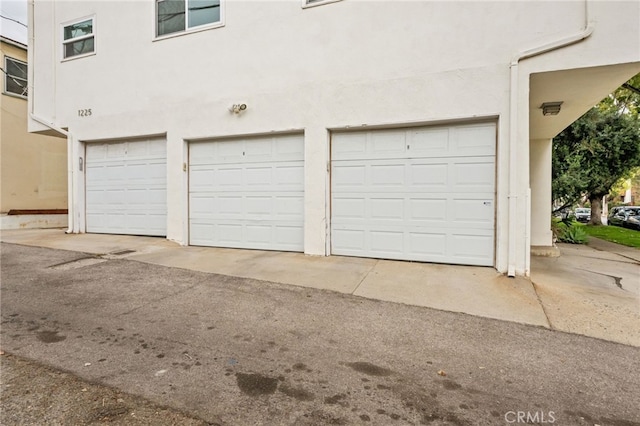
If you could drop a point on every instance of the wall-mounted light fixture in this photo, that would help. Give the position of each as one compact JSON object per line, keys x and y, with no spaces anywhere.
{"x":551,"y":108}
{"x":237,"y":108}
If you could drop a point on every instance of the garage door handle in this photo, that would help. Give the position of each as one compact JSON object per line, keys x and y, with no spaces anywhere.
{"x":487,"y":203}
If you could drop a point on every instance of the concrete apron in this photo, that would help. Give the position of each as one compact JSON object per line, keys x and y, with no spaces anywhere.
{"x":559,"y":296}
{"x":591,"y":290}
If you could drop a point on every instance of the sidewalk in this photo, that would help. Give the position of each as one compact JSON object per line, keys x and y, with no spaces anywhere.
{"x":561,"y":295}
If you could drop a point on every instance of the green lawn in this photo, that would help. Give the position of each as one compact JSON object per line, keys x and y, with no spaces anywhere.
{"x":615,"y":234}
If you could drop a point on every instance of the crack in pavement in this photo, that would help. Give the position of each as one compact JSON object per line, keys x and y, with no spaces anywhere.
{"x":544,"y":311}
{"x":617,"y":280}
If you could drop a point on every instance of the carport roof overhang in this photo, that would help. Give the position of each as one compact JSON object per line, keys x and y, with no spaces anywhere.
{"x":578,"y":89}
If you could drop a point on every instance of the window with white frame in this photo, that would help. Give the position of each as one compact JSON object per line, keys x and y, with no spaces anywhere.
{"x":78,"y":38}
{"x":15,"y":77}
{"x":173,"y":16}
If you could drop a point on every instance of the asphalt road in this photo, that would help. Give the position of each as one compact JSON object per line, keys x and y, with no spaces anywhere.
{"x":234,"y":351}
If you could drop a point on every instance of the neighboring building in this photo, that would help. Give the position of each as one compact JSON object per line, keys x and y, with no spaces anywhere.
{"x":33,"y":168}
{"x":403,"y":130}
{"x":630,"y":194}
{"x":634,"y":196}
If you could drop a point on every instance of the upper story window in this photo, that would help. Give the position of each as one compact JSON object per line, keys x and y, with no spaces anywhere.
{"x":78,"y":38}
{"x":15,"y":77}
{"x":174,"y":16}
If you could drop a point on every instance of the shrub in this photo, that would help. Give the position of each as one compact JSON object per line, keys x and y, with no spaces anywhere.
{"x":573,"y":234}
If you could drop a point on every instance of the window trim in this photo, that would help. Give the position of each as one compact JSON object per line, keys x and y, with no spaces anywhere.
{"x":197,"y":29}
{"x":64,"y":42}
{"x":306,"y":4}
{"x":7,"y":76}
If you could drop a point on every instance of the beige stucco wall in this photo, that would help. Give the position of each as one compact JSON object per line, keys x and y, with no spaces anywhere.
{"x":32,"y":167}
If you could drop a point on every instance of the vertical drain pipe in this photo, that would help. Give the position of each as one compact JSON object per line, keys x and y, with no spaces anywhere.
{"x":584,"y":33}
{"x":32,"y":48}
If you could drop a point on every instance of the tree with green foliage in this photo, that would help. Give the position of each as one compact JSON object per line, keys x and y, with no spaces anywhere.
{"x":625,"y":99}
{"x":596,"y":151}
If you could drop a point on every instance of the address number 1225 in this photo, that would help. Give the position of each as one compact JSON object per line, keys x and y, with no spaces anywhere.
{"x":84,"y":112}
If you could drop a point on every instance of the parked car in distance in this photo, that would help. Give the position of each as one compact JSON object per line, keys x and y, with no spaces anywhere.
{"x":632,"y":220}
{"x":625,"y":216}
{"x":583,"y":214}
{"x":616,"y":216}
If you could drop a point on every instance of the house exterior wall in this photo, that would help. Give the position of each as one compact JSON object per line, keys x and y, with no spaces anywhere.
{"x":351,"y":64}
{"x":33,"y":167}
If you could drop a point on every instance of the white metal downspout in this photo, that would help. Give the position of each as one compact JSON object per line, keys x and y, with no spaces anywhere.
{"x":31,"y":46}
{"x":513,"y":123}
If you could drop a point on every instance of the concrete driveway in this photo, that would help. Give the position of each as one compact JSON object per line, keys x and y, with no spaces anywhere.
{"x":590,"y":290}
{"x":593,"y":290}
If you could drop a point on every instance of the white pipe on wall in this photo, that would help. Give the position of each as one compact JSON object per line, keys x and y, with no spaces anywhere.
{"x":584,"y":33}
{"x":49,"y":123}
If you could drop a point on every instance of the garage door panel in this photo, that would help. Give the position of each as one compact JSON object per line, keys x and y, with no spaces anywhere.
{"x":258,"y":150}
{"x":114,"y":199}
{"x":422,"y":204}
{"x":288,"y":147}
{"x":472,"y":246}
{"x":352,"y":145}
{"x":477,"y":175}
{"x":201,"y":233}
{"x":348,"y":241}
{"x":387,"y":175}
{"x":147,"y":173}
{"x":254,"y":192}
{"x":115,"y":221}
{"x":386,"y":242}
{"x":201,"y":155}
{"x":347,"y":207}
{"x":382,"y":208}
{"x":229,"y":177}
{"x":259,"y":234}
{"x":289,"y":208}
{"x":474,"y":140}
{"x":140,"y":150}
{"x":258,"y":206}
{"x":116,"y":150}
{"x":228,"y":152}
{"x":227,"y":207}
{"x":126,"y":187}
{"x":427,"y":210}
{"x":291,"y":176}
{"x":428,"y":142}
{"x":202,"y":205}
{"x":201,"y":180}
{"x":428,"y":244}
{"x":387,"y":143}
{"x":289,"y":236}
{"x":257,"y":175}
{"x":431,"y":176}
{"x":472,"y":213}
{"x":345,"y":175}
{"x":138,"y":197}
{"x":229,"y":233}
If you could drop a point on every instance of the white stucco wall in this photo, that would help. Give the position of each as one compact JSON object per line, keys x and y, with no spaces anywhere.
{"x":351,"y":63}
{"x":541,"y":152}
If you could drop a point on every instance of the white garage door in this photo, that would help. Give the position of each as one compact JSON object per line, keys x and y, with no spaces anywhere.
{"x":247,"y":193}
{"x":126,"y":187}
{"x":424,"y":194}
